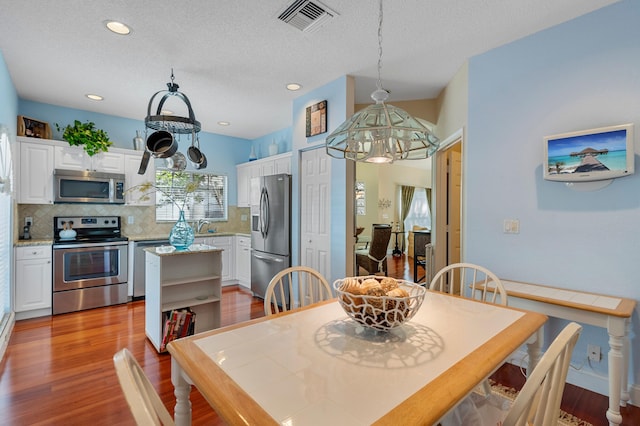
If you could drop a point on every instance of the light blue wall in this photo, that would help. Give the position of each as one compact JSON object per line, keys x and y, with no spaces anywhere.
{"x":281,"y":137}
{"x":579,"y":75}
{"x":8,"y":99}
{"x":222,"y":152}
{"x":335,"y":93}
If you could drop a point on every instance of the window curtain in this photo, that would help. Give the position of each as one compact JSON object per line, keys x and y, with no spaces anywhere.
{"x":406,"y":193}
{"x":428,"y":191}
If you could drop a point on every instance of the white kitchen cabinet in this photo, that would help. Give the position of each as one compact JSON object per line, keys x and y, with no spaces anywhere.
{"x":243,"y":174}
{"x":282,"y":164}
{"x":75,"y":158}
{"x":132,"y":178}
{"x":35,"y":173}
{"x":33,"y":281}
{"x":228,"y":257}
{"x":276,"y":164}
{"x":178,"y":280}
{"x":243,"y":260}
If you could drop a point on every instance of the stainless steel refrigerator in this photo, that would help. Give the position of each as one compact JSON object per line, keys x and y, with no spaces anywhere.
{"x":270,"y":229}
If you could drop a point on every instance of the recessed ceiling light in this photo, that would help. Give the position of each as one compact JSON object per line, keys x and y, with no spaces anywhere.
{"x":223,"y":123}
{"x":294,"y":86}
{"x":94,"y":97}
{"x":118,"y":27}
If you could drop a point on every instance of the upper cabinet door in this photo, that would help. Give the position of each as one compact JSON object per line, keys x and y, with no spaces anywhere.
{"x":71,"y":158}
{"x":75,"y":158}
{"x":36,"y":174}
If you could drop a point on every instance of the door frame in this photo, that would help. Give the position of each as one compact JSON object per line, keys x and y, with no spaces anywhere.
{"x":438,"y":200}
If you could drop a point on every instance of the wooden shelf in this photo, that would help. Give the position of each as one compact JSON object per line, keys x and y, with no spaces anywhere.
{"x":188,"y":303}
{"x":189,"y":280}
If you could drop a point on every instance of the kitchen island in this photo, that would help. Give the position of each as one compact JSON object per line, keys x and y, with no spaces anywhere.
{"x":181,"y":281}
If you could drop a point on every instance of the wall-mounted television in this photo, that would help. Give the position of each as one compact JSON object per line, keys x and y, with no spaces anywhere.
{"x":589,"y":155}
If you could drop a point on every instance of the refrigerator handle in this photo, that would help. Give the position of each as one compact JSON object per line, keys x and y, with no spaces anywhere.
{"x":267,"y":214}
{"x":263,"y":213}
{"x":270,"y":259}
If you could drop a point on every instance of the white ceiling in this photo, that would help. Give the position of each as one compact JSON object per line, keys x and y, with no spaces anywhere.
{"x":233,"y":58}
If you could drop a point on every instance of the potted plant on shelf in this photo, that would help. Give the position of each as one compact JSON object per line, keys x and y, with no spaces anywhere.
{"x":86,"y":135}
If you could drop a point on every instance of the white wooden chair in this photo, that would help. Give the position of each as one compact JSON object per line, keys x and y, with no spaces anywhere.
{"x":484,"y":286}
{"x":457,"y":278}
{"x":145,"y":404}
{"x":538,"y":403}
{"x":294,"y":288}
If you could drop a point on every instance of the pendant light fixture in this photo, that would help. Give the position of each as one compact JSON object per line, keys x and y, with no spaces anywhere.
{"x":381,"y":133}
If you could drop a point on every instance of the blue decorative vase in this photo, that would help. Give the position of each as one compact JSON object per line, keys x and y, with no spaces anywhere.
{"x":181,"y":235}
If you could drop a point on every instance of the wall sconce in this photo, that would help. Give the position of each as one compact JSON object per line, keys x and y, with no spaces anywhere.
{"x":384,"y":203}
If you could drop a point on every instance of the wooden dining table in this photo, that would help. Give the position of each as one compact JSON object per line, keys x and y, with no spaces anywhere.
{"x":316,"y":366}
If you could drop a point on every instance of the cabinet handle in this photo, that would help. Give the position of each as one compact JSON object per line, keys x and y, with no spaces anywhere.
{"x":34,"y":252}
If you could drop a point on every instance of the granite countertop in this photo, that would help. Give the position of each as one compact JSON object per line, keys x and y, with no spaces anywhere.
{"x":171,"y":251}
{"x":33,"y":242}
{"x":151,"y":237}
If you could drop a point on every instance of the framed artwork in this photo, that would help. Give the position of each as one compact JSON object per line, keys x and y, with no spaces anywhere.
{"x":317,"y":119}
{"x":33,"y":128}
{"x":361,"y":199}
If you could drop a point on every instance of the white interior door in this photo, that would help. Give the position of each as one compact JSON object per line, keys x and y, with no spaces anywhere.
{"x":315,"y":210}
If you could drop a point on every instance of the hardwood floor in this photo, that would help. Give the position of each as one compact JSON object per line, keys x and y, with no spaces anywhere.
{"x":59,"y":370}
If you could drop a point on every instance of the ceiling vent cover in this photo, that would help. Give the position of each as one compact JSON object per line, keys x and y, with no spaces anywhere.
{"x":306,"y":15}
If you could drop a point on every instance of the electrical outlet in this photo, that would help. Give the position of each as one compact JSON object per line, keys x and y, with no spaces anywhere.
{"x":28,"y":221}
{"x":593,"y":352}
{"x":130,"y":220}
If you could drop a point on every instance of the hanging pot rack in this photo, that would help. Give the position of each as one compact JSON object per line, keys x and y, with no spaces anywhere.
{"x":171,"y":123}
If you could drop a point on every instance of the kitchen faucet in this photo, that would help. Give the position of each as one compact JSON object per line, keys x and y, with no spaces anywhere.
{"x":200,"y":224}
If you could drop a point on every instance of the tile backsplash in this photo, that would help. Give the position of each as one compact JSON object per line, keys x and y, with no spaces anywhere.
{"x":144,"y":221}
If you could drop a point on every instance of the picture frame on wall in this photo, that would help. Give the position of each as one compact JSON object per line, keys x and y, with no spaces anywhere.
{"x":316,"y":119}
{"x":33,"y":128}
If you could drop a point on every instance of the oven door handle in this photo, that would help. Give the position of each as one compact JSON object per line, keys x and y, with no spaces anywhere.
{"x":89,"y":245}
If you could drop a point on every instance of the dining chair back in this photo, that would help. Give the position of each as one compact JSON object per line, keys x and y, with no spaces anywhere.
{"x":294,"y":288}
{"x":472,"y":281}
{"x":143,"y":400}
{"x":538,"y":403}
{"x":374,"y":259}
{"x":420,"y":255}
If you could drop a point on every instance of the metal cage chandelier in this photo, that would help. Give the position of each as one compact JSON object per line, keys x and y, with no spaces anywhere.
{"x":381,"y":133}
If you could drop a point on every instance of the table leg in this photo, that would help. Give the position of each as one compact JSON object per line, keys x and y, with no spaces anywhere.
{"x":181,"y":389}
{"x":624,"y":396}
{"x":616,"y":330}
{"x":533,"y":349}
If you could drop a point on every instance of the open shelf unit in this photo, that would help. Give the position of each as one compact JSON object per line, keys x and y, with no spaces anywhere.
{"x":180,"y":280}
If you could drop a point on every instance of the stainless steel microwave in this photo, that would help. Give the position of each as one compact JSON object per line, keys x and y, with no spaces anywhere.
{"x":73,"y":186}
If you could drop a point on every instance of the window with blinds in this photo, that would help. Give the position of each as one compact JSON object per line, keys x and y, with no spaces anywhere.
{"x":200,"y":195}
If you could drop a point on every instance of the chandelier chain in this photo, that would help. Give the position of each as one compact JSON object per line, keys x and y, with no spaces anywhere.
{"x":379,"y":83}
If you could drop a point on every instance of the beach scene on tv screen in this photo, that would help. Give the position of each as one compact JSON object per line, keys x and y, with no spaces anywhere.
{"x":598,"y":152}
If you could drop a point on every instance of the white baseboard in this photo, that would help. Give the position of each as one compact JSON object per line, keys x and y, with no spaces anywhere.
{"x":5,"y":335}
{"x":582,"y":378}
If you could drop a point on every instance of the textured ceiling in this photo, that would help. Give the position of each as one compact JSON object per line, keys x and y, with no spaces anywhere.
{"x":233,"y":58}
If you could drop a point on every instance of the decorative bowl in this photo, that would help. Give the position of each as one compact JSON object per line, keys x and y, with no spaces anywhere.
{"x":381,"y":303}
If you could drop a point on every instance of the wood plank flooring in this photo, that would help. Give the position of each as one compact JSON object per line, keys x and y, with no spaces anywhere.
{"x":59,"y":371}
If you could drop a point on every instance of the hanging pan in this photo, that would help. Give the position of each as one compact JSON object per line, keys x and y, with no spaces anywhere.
{"x":197,"y":158}
{"x":161,"y":144}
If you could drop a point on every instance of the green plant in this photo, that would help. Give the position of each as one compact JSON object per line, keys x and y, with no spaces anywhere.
{"x":86,"y":135}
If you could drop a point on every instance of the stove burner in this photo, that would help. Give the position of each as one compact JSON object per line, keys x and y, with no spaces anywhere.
{"x":88,"y":229}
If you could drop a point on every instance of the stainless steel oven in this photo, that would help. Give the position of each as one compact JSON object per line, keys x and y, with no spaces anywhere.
{"x":89,"y":269}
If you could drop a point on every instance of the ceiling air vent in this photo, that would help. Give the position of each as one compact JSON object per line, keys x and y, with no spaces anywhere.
{"x":306,"y":15}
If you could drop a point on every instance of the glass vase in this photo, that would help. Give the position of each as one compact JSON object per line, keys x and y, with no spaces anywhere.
{"x":181,"y":235}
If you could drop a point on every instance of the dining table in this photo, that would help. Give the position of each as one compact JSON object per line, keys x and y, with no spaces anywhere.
{"x":317,"y":366}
